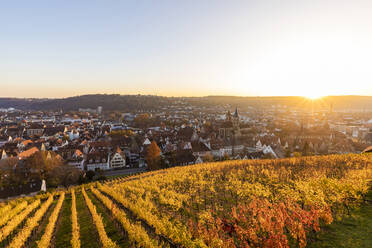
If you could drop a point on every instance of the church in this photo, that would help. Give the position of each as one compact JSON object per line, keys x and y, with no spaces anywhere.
{"x":231,"y":126}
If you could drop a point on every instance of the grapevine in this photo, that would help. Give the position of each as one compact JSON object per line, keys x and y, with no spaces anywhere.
{"x":31,"y":223}
{"x":97,"y":219}
{"x":75,"y":241}
{"x":45,"y":239}
{"x":12,"y":225}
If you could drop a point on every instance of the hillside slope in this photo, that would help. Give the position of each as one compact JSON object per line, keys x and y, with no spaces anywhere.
{"x":246,"y":203}
{"x":354,"y":230}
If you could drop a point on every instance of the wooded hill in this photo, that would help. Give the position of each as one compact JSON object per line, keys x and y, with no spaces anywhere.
{"x":150,"y":102}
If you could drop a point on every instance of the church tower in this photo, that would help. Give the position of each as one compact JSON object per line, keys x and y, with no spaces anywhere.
{"x":235,"y":119}
{"x":228,"y":116}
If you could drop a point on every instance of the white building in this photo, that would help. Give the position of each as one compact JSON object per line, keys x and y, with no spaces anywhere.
{"x":118,"y":159}
{"x":97,"y":160}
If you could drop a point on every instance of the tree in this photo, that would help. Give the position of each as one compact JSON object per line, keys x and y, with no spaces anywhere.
{"x":268,"y":155}
{"x":90,"y":174}
{"x":287,"y":153}
{"x":7,"y":173}
{"x":297,"y":154}
{"x":153,"y":156}
{"x":226,"y":156}
{"x":121,"y":133}
{"x":306,"y":149}
{"x":141,"y":120}
{"x":65,"y":138}
{"x":208,"y":157}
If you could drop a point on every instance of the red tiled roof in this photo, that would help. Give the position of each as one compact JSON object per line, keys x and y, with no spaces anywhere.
{"x":26,"y":142}
{"x":28,"y":153}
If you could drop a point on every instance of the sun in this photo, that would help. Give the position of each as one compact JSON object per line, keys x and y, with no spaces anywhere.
{"x":313,"y":95}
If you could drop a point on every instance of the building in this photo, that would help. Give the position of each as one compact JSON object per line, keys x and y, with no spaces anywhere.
{"x":28,"y":153}
{"x":231,"y":127}
{"x":99,"y":110}
{"x":97,"y":160}
{"x":117,"y":159}
{"x":35,"y":130}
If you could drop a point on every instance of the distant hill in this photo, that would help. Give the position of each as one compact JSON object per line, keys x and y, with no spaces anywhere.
{"x":108,"y":102}
{"x":337,"y":103}
{"x":149,"y":102}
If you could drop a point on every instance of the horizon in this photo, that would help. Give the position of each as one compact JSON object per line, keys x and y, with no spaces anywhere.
{"x":255,"y":48}
{"x":125,"y":94}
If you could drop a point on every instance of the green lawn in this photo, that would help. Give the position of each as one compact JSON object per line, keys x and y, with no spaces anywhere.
{"x":353,"y":231}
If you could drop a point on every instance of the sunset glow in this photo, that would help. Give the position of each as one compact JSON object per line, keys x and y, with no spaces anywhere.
{"x":181,"y":48}
{"x":313,"y":96}
{"x":176,"y":123}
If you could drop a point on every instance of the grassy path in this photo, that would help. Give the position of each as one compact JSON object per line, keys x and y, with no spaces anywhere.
{"x":354,"y":231}
{"x":88,"y":232}
{"x":64,"y":228}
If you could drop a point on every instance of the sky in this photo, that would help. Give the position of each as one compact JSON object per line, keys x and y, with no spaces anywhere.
{"x":185,"y":48}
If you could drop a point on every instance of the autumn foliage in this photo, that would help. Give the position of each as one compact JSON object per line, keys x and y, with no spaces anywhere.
{"x":153,"y":156}
{"x":247,"y":203}
{"x":243,"y":203}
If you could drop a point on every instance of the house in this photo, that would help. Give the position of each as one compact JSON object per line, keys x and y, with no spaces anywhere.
{"x":200,"y":149}
{"x":185,"y":133}
{"x":97,"y":160}
{"x":254,"y":155}
{"x":74,"y":135}
{"x":199,"y":160}
{"x":28,"y":153}
{"x":117,"y":159}
{"x":216,"y":148}
{"x":269,"y":150}
{"x":147,"y":142}
{"x":184,"y":157}
{"x":35,"y":130}
{"x":25,"y":144}
{"x":231,"y":150}
{"x":53,"y":130}
{"x":76,"y":159}
{"x":259,"y":145}
{"x":15,"y":131}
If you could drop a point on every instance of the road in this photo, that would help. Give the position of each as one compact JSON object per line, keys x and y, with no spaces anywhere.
{"x":124,"y":172}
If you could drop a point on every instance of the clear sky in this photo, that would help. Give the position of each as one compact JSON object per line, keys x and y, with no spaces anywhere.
{"x":56,"y":48}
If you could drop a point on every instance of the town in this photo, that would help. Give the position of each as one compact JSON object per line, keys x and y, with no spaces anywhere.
{"x":92,"y":139}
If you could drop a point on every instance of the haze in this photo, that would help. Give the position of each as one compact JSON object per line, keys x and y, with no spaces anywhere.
{"x":185,"y":48}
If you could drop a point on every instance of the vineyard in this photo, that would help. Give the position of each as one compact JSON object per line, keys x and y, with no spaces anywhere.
{"x":245,"y":203}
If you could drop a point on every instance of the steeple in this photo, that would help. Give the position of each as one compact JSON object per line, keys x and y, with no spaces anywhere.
{"x":235,"y":119}
{"x":236,"y":115}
